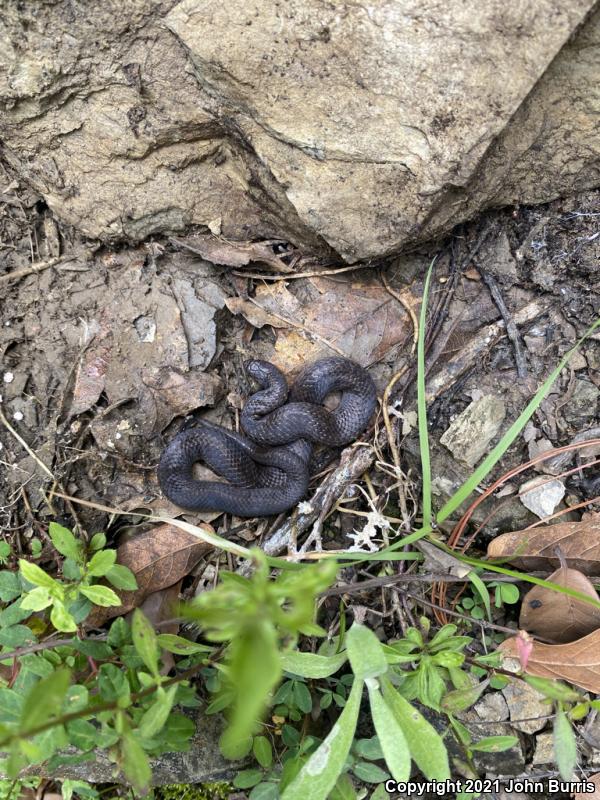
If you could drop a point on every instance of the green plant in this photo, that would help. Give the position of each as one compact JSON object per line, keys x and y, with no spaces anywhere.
{"x":71,"y":600}
{"x":258,"y":617}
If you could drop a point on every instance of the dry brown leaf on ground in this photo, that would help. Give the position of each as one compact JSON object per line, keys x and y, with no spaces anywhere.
{"x":534,"y":549}
{"x":158,"y":558}
{"x":595,"y":795}
{"x":355,"y":317}
{"x":253,"y":313}
{"x":233,"y":254}
{"x":552,"y":615}
{"x":577,"y":662}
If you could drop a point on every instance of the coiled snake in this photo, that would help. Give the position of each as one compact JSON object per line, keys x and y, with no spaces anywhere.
{"x":268,"y":470}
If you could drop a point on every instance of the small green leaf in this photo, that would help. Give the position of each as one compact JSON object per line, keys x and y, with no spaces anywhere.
{"x":509,"y":593}
{"x":263,"y":752}
{"x":553,"y":689}
{"x":100,"y":595}
{"x":365,"y":652}
{"x":45,"y":699}
{"x":37,"y":599}
{"x":155,"y":717}
{"x":64,"y":541}
{"x":145,"y":641}
{"x":17,"y":636}
{"x":370,"y":773}
{"x":98,"y":541}
{"x":565,"y":746}
{"x":11,"y":705}
{"x":425,"y":744}
{"x":495,"y":744}
{"x":119,"y":633}
{"x":309,"y":665}
{"x":320,"y":773}
{"x":302,"y":698}
{"x":113,"y":683}
{"x":101,"y":562}
{"x":247,"y":778}
{"x":461,"y":699}
{"x":482,"y":591}
{"x":82,"y":734}
{"x":32,"y":573}
{"x":264,"y":791}
{"x":369,"y":749}
{"x":100,"y":651}
{"x":10,"y":586}
{"x":390,"y":735}
{"x":344,"y":789}
{"x":135,"y":762}
{"x":61,"y":619}
{"x":122,"y":578}
{"x":181,"y":646}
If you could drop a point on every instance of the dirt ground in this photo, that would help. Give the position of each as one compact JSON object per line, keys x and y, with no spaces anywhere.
{"x":104,"y":351}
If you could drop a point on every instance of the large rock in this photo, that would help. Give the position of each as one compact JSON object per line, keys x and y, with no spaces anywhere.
{"x":352,"y":127}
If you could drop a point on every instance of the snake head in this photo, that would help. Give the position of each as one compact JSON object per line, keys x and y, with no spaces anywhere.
{"x":261,"y":371}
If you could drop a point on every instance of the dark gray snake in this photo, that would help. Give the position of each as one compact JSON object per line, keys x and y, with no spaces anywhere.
{"x":268,"y":470}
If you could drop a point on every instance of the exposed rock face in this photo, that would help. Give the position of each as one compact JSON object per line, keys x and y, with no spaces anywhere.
{"x":338,"y":126}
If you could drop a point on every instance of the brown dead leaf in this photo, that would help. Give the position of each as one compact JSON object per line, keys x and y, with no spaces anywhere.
{"x":534,"y":549}
{"x":552,"y":615}
{"x":595,"y":794}
{"x":356,"y":317}
{"x":255,"y":315}
{"x":91,"y":370}
{"x":158,"y":558}
{"x":170,"y":394}
{"x":577,"y":662}
{"x":233,"y":254}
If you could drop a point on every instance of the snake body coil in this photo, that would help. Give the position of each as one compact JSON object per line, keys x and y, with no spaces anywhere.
{"x":269,"y":472}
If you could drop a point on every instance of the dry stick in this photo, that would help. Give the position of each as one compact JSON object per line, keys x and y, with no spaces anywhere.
{"x":511,"y":329}
{"x":40,"y":266}
{"x":354,"y":462}
{"x":485,"y":339}
{"x":294,"y":275}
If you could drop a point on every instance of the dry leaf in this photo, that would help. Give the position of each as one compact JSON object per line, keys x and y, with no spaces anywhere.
{"x":595,"y":795}
{"x":534,"y":549}
{"x":233,"y":254}
{"x":253,"y":313}
{"x":158,"y":558}
{"x":577,"y":662}
{"x":560,"y":617}
{"x":357,"y":318}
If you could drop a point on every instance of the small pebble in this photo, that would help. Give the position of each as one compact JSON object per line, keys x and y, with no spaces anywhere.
{"x":18,"y":416}
{"x":8,"y":377}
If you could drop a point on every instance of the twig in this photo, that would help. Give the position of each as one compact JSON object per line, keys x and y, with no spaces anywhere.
{"x":294,"y":275}
{"x":511,"y":329}
{"x":354,"y":462}
{"x":40,"y":266}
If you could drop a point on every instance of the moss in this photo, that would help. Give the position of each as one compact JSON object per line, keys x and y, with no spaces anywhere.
{"x":193,"y":791}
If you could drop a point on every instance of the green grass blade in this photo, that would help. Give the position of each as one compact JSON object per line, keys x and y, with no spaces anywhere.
{"x":422,"y":405}
{"x":523,"y":576}
{"x":482,"y":591}
{"x":509,"y":437}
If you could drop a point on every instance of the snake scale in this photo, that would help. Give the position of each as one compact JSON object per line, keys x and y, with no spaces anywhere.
{"x":268,"y":469}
